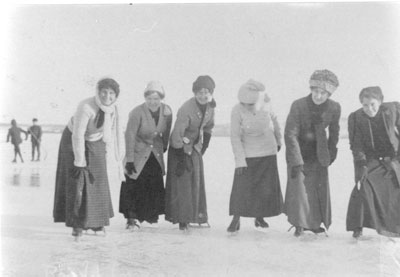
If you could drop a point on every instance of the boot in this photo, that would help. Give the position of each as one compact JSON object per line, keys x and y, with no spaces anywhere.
{"x":235,"y":224}
{"x":77,"y":233}
{"x":132,"y":224}
{"x":299,"y":231}
{"x":259,"y":222}
{"x":183,"y":226}
{"x":357,"y":233}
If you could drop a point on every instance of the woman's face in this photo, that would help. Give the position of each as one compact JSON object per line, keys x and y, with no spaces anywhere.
{"x":319,"y":95}
{"x":371,"y":106}
{"x":202,"y":96}
{"x":153,"y":101}
{"x":248,"y":107}
{"x":107,"y":96}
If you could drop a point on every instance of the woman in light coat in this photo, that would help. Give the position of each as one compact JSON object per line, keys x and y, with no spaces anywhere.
{"x":142,"y":196}
{"x":91,"y":148}
{"x":185,"y":186}
{"x":256,"y":139}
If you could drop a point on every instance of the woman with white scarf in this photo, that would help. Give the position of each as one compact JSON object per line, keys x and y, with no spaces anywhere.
{"x":91,"y":147}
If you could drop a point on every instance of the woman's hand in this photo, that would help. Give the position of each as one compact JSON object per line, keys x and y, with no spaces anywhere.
{"x":130,"y":168}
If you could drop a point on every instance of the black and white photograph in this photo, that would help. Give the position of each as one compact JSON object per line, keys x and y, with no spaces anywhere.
{"x":200,"y":139}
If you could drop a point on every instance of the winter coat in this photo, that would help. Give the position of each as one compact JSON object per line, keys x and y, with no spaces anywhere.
{"x":15,"y":134}
{"x":362,"y":142}
{"x":190,"y":124}
{"x":253,"y":134}
{"x":143,"y":136}
{"x":299,"y":129}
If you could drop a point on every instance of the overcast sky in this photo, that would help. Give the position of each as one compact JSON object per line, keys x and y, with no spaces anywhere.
{"x":53,"y":55}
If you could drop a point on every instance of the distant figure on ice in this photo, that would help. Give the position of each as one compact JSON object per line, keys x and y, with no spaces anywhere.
{"x":142,"y":196}
{"x":256,"y":140}
{"x":374,"y":140}
{"x":185,"y":186}
{"x":91,"y":143}
{"x":36,"y":137}
{"x":309,"y":153}
{"x":15,"y":134}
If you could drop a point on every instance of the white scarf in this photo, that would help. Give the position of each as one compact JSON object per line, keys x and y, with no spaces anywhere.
{"x":112,"y":132}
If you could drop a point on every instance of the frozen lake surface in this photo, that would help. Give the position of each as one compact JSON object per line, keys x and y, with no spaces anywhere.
{"x":32,"y":245}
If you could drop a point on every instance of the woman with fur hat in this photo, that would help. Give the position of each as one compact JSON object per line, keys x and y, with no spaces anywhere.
{"x":374,"y":141}
{"x":142,"y":196}
{"x":185,"y":186}
{"x":91,"y":146}
{"x":309,"y":153}
{"x":256,"y":140}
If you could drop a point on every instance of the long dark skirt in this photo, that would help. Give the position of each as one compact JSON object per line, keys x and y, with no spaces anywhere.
{"x":257,"y":192}
{"x":185,"y":196}
{"x":144,"y":198}
{"x":377,"y":204}
{"x":95,"y":206}
{"x":307,"y":199}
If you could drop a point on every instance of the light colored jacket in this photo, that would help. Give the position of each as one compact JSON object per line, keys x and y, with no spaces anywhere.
{"x":253,"y":134}
{"x":143,"y":136}
{"x":190,"y":124}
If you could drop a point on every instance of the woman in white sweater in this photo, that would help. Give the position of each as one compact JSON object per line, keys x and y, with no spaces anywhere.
{"x":91,"y":145}
{"x":256,"y":139}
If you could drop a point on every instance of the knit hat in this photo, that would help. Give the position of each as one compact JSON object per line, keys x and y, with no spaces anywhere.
{"x":155,"y":86}
{"x":204,"y":82}
{"x":249,"y":91}
{"x":324,"y":79}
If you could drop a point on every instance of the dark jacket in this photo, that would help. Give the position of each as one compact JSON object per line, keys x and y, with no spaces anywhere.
{"x":15,"y":134}
{"x":300,"y":130}
{"x":36,"y":133}
{"x":360,"y":134}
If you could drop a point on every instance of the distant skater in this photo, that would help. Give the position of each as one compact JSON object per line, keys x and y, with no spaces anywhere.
{"x":185,"y":185}
{"x":91,"y":143}
{"x":256,"y":140}
{"x":142,"y":197}
{"x":15,"y":134}
{"x":311,"y":137}
{"x":36,"y":137}
{"x":374,"y":141}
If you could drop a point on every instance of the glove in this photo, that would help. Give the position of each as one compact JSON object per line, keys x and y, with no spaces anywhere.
{"x":206,"y":142}
{"x":279,"y":148}
{"x":240,"y":170}
{"x":76,"y":171}
{"x":296,"y":170}
{"x":130,"y":168}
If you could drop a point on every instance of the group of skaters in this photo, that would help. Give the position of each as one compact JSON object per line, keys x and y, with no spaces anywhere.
{"x":14,"y":134}
{"x":95,"y":153}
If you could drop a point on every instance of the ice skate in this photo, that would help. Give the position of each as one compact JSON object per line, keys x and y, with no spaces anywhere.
{"x":132,"y":224}
{"x":234,"y":226}
{"x":183,"y":226}
{"x":77,"y":234}
{"x":357,"y":233}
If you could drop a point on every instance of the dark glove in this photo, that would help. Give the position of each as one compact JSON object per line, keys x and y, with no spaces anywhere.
{"x":240,"y":170}
{"x":206,"y":142}
{"x":130,"y":168}
{"x":76,"y":171}
{"x":296,"y":170}
{"x":165,"y":149}
{"x":279,"y":148}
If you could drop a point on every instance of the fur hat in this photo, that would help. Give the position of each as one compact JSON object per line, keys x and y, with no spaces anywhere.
{"x":249,"y":91}
{"x":324,"y":79}
{"x":204,"y":82}
{"x":155,"y":86}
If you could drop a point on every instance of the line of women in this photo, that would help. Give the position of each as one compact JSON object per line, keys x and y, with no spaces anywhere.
{"x":93,"y":150}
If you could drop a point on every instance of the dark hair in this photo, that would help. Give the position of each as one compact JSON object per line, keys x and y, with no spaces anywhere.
{"x":108,"y":83}
{"x":13,"y":122}
{"x":35,"y":119}
{"x":149,"y":92}
{"x":371,"y":92}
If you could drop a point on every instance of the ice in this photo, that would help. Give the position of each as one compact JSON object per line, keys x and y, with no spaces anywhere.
{"x":32,"y":245}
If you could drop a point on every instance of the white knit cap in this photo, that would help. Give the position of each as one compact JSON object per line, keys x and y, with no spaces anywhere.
{"x":249,"y":91}
{"x":155,"y":86}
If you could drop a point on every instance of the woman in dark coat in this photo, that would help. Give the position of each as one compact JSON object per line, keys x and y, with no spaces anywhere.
{"x":374,"y":141}
{"x":309,"y":153}
{"x":185,"y":186}
{"x":256,"y":139}
{"x":142,"y":196}
{"x":15,"y":134}
{"x":90,"y":145}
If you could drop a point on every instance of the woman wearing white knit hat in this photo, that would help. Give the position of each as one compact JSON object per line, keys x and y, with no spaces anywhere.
{"x":256,"y":139}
